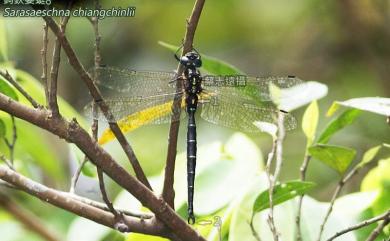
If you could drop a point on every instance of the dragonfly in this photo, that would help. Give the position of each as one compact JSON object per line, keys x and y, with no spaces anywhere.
{"x":139,"y":98}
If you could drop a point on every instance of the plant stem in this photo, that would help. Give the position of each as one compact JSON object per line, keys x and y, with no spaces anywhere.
{"x":168,"y":191}
{"x":303,"y":169}
{"x":361,"y":225}
{"x":272,"y":179}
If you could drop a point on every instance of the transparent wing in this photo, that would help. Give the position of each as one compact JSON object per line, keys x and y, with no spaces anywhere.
{"x":138,"y":110}
{"x":255,"y":87}
{"x":135,"y":83}
{"x":241,"y":113}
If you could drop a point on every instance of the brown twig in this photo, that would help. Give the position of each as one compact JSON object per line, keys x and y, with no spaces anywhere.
{"x":76,"y":176}
{"x":9,"y":78}
{"x":53,"y":103}
{"x":95,"y":123}
{"x":11,"y":144}
{"x":336,"y":193}
{"x":60,"y":200}
{"x":272,"y":179}
{"x":28,"y":219}
{"x":98,"y":98}
{"x":168,"y":191}
{"x":361,"y":225}
{"x":302,"y":170}
{"x":379,"y":229}
{"x":45,"y":41}
{"x":104,"y":207}
{"x":73,"y":133}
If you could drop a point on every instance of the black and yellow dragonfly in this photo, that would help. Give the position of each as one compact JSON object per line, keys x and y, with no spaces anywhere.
{"x":138,"y":98}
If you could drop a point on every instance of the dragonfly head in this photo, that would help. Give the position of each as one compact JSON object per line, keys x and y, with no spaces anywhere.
{"x":191,"y":59}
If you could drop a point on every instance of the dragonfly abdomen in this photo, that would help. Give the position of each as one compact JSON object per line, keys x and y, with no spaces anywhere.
{"x":191,"y":162}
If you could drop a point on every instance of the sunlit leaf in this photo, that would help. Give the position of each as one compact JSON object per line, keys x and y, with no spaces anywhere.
{"x":266,"y":127}
{"x":209,"y":64}
{"x":337,"y":157}
{"x":224,"y":179}
{"x":2,"y":128}
{"x":378,"y":179}
{"x":7,"y":90}
{"x":345,"y":119}
{"x":276,"y":94}
{"x":139,"y":236}
{"x":378,"y":105}
{"x":310,"y":122}
{"x":369,"y":155}
{"x":282,"y":193}
{"x":86,"y":230}
{"x":3,"y":40}
{"x":300,"y":95}
{"x":332,"y":109}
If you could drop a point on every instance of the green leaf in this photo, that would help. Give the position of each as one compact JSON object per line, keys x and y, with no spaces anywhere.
{"x":282,"y":193}
{"x":276,"y":94}
{"x":209,"y":64}
{"x":378,"y":105}
{"x":2,"y":129}
{"x":310,"y":122}
{"x":345,"y":119}
{"x":378,"y":179}
{"x":3,"y":41}
{"x":7,"y":90}
{"x":336,"y":157}
{"x":369,"y":155}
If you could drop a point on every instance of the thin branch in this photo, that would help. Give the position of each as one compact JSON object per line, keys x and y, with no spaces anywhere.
{"x":361,"y":225}
{"x":302,"y":170}
{"x":104,"y":193}
{"x":60,"y":200}
{"x":168,"y":191}
{"x":45,"y":41}
{"x":379,"y":229}
{"x":98,"y":98}
{"x":272,"y":179}
{"x":76,"y":176}
{"x":53,"y":103}
{"x":10,"y":145}
{"x":28,"y":219}
{"x":102,"y":206}
{"x":6,"y":162}
{"x":72,"y":132}
{"x":95,"y":123}
{"x":336,"y":193}
{"x":105,"y":208}
{"x":270,"y":157}
{"x":9,"y":78}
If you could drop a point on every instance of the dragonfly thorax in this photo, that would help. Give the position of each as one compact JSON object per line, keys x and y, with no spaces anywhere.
{"x":191,"y":59}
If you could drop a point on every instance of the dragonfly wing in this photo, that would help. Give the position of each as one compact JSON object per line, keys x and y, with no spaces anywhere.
{"x":257,"y":88}
{"x":232,"y":112}
{"x":137,"y":110}
{"x":131,"y":83}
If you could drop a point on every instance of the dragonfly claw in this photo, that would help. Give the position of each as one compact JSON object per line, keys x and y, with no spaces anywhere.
{"x":191,"y":219}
